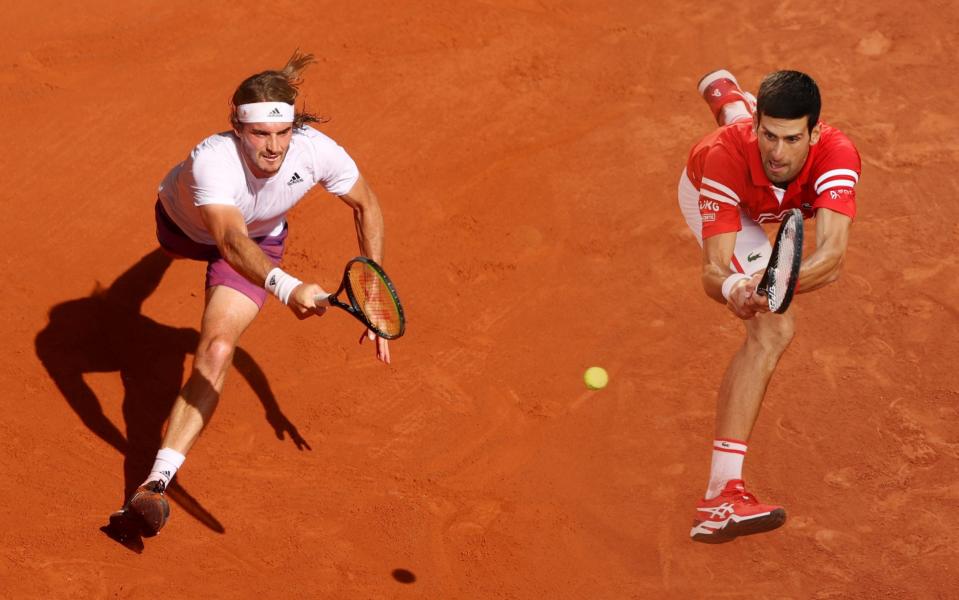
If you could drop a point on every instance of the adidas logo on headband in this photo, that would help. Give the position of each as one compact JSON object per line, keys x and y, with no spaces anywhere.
{"x":265,"y":112}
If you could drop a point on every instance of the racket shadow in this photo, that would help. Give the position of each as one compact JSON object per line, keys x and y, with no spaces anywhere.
{"x":192,"y":506}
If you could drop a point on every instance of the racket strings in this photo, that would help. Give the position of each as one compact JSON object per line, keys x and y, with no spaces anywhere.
{"x":782,"y":271}
{"x":374,"y":297}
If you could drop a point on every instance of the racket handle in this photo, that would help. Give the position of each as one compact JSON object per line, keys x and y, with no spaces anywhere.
{"x":323,"y":300}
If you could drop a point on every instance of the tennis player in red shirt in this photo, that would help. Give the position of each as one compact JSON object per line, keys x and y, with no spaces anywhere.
{"x":770,"y":154}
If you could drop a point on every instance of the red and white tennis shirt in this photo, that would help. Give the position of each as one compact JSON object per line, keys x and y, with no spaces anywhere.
{"x":726,"y":169}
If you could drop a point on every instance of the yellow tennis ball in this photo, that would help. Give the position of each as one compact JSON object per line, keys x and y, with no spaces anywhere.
{"x":596,"y":378}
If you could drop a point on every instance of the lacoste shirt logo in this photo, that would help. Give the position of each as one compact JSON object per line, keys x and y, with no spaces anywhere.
{"x":753,"y":257}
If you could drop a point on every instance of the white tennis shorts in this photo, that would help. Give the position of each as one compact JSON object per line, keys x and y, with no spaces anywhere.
{"x":752,"y":246}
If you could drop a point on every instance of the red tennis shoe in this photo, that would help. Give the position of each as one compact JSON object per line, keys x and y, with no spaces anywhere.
{"x":734,"y":512}
{"x":720,"y":88}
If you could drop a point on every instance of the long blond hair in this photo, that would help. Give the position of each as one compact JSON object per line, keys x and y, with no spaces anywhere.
{"x":276,"y":86}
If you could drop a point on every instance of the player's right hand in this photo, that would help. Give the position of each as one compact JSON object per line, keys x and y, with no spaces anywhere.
{"x":744,"y":302}
{"x":303,"y":300}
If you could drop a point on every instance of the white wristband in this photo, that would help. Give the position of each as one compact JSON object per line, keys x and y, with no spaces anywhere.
{"x":281,"y":284}
{"x":731,"y":281}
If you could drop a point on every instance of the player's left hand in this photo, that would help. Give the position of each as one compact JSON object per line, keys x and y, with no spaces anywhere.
{"x":382,"y":345}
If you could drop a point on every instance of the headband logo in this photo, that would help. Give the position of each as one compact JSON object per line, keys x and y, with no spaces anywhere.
{"x":265,"y":112}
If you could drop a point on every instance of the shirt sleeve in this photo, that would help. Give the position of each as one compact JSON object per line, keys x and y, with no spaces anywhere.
{"x":333,"y":168}
{"x":210,"y":180}
{"x":836,"y":176}
{"x":720,"y":193}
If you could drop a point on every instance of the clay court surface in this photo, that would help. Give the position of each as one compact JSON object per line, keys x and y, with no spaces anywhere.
{"x":526,"y":154}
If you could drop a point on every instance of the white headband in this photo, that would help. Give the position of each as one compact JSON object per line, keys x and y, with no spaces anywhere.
{"x":265,"y":112}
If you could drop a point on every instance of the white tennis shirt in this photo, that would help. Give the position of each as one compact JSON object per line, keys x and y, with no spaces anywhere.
{"x":215,"y":173}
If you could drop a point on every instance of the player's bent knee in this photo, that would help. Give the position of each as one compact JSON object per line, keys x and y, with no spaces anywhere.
{"x":773,"y":333}
{"x":216,"y":354}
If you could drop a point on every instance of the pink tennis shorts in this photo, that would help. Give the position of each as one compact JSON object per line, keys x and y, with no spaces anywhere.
{"x":218,"y":272}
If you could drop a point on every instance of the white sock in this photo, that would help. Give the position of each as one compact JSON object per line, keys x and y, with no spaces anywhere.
{"x":728,"y":457}
{"x":734,"y":111}
{"x":165,"y":466}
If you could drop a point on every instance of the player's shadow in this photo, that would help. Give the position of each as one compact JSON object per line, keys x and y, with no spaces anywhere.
{"x":106,"y":332}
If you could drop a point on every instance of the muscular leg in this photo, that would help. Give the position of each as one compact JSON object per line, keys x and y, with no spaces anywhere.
{"x":227,"y":315}
{"x":744,"y":384}
{"x":727,"y":510}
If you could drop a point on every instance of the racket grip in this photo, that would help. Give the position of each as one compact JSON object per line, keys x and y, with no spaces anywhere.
{"x":323,"y":300}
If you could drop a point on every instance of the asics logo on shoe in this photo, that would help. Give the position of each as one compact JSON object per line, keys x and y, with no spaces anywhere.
{"x":718,"y":513}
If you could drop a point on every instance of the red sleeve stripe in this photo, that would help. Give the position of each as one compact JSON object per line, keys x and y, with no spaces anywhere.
{"x":728,"y":192}
{"x":836,"y":173}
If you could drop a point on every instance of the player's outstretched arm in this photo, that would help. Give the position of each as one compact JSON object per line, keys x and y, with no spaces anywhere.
{"x":823,"y":266}
{"x":225,"y":223}
{"x":227,"y":227}
{"x":368,"y":219}
{"x":370,"y":234}
{"x":717,"y":254}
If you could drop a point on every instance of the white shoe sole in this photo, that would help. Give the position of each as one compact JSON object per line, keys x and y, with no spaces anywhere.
{"x":735,"y":526}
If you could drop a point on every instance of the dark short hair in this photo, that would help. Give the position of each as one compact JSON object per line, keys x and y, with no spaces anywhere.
{"x":789,"y":95}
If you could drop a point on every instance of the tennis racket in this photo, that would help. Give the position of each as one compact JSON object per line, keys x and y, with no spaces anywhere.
{"x":370,"y":297}
{"x":782,"y":273}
